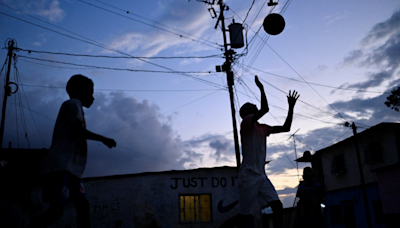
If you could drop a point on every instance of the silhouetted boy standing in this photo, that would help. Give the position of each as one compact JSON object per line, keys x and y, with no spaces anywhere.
{"x":311,"y":194}
{"x":66,"y":159}
{"x":255,"y":189}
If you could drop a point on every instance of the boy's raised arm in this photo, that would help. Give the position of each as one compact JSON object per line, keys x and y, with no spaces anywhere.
{"x":264,"y":103}
{"x":84,"y":133}
{"x":292,"y":98}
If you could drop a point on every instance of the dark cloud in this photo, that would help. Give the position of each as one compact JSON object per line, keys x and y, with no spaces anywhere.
{"x":375,"y":79}
{"x":145,"y":139}
{"x":369,"y":112}
{"x":383,"y":29}
{"x":353,"y":57}
{"x":222,"y":147}
{"x":384,"y":55}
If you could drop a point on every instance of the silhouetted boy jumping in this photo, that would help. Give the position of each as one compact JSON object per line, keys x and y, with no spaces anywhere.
{"x":255,"y":189}
{"x":66,"y":159}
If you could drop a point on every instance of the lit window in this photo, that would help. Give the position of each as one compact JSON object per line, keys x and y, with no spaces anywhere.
{"x":195,"y":208}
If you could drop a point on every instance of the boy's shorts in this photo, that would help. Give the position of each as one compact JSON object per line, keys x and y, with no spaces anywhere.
{"x":255,"y":192}
{"x":62,"y":187}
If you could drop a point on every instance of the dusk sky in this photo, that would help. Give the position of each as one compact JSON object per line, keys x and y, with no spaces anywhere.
{"x":342,"y":57}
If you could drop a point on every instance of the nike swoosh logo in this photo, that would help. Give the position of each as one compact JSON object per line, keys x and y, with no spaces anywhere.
{"x":222,"y":209}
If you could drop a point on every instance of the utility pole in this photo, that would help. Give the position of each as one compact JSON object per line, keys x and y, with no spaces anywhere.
{"x":7,"y":91}
{"x":364,"y":190}
{"x":229,"y":75}
{"x":295,"y":152}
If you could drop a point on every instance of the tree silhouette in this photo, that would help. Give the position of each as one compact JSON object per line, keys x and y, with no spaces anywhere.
{"x":393,"y":100}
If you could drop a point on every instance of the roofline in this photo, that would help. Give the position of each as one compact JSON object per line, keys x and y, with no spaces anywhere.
{"x":156,"y":172}
{"x":373,"y":128}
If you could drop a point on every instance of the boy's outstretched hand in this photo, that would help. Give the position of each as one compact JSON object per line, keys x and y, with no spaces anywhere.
{"x":258,"y":83}
{"x":292,"y":98}
{"x":110,"y":143}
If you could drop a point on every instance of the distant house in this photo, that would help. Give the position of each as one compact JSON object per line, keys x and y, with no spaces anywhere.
{"x":203,"y":197}
{"x":197,"y":198}
{"x":337,"y":169}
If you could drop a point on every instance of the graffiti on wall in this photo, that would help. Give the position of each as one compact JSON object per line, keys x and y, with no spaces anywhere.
{"x":106,"y":207}
{"x":194,"y":182}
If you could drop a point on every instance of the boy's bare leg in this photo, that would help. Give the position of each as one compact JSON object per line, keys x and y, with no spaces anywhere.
{"x":48,"y":217}
{"x":247,"y":221}
{"x":239,"y":220}
{"x":277,"y":209}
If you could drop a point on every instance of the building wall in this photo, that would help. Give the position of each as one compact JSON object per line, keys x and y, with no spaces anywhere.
{"x":351,"y":177}
{"x":350,"y":205}
{"x":136,"y":200}
{"x":389,"y":186}
{"x":378,"y":148}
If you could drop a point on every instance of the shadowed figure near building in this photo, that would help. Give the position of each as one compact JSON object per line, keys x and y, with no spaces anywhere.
{"x":311,"y":196}
{"x":66,"y":159}
{"x":255,"y":189}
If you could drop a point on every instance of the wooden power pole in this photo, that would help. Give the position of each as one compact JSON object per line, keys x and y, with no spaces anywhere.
{"x":227,"y":67}
{"x":7,"y":91}
{"x":360,"y":169}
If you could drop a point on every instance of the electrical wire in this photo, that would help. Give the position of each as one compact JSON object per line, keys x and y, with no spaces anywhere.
{"x":295,"y":114}
{"x":27,"y":103}
{"x":275,"y":120}
{"x":304,"y":80}
{"x":249,"y":12}
{"x":58,"y":67}
{"x":110,"y":49}
{"x":162,"y":29}
{"x":128,"y":12}
{"x":317,"y":84}
{"x":130,"y":90}
{"x":123,"y":57}
{"x":16,"y":121}
{"x":122,"y":69}
{"x":298,"y":100}
{"x":266,"y":37}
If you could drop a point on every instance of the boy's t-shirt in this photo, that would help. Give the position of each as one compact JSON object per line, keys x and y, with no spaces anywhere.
{"x":255,"y":189}
{"x":67,"y":151}
{"x":254,"y":144}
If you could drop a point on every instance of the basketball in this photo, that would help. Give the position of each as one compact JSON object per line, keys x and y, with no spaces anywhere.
{"x":274,"y":24}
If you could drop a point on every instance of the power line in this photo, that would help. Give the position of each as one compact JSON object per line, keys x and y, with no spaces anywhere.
{"x":263,"y":117}
{"x":304,"y":80}
{"x":122,"y":69}
{"x":27,"y":103}
{"x":46,"y":23}
{"x":248,"y":11}
{"x":298,"y":100}
{"x":59,"y":67}
{"x":128,"y":12}
{"x":111,"y":49}
{"x":317,"y":84}
{"x":266,"y":36}
{"x":123,"y":57}
{"x":261,"y":8}
{"x":165,"y":30}
{"x":130,"y":90}
{"x":307,"y":117}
